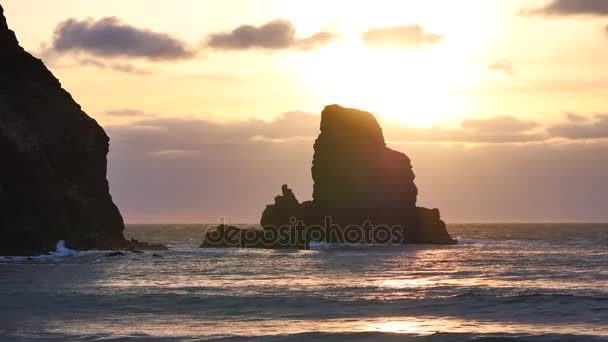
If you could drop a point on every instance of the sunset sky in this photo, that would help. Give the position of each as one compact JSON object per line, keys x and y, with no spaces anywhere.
{"x":501,"y":105}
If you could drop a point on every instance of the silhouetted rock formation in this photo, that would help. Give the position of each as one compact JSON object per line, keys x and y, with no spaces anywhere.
{"x":358,"y":182}
{"x":53,"y":177}
{"x":284,"y":208}
{"x":358,"y":179}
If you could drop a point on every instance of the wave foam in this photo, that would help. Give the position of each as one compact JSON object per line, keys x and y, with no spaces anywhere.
{"x":61,"y":251}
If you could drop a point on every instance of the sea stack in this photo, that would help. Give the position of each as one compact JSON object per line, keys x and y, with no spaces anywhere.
{"x":358,"y":179}
{"x":53,"y":182}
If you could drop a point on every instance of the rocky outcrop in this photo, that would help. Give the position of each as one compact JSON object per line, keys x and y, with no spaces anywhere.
{"x":355,"y":175}
{"x":364,"y":192}
{"x":53,"y":177}
{"x":357,"y":179}
{"x":284,"y":208}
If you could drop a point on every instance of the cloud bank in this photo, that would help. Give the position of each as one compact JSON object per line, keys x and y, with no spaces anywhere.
{"x":278,"y":34}
{"x":578,"y":129}
{"x":406,"y":37}
{"x":506,"y":124}
{"x":177,"y":170}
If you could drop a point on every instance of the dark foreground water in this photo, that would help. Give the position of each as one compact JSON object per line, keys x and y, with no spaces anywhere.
{"x":502,"y":283}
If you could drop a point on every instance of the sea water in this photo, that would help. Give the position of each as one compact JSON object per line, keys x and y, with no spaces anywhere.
{"x":502,"y":282}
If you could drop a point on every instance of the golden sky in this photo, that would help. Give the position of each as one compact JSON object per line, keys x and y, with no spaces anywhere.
{"x":553,"y":64}
{"x":212,"y":105}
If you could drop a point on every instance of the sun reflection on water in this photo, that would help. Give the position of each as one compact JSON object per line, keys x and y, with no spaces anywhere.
{"x":121,"y":326}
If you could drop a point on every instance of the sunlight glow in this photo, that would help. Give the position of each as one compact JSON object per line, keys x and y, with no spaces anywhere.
{"x":419,"y":86}
{"x":412,"y":88}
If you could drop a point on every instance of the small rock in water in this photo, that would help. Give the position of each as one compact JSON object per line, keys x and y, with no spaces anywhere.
{"x":157,"y":255}
{"x":137,"y":245}
{"x":115,"y":254}
{"x":133,"y":250}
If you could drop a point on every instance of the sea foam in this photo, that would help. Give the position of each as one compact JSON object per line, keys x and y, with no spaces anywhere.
{"x":61,"y":251}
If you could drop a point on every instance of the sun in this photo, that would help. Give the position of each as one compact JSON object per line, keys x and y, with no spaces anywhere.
{"x":420,"y":86}
{"x":409,"y":87}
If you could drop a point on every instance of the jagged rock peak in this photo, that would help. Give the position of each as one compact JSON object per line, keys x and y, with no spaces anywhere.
{"x":285,"y":206}
{"x":3,"y":24}
{"x":8,"y":40}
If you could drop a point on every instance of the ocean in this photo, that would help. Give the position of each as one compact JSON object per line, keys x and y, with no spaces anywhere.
{"x":502,"y":282}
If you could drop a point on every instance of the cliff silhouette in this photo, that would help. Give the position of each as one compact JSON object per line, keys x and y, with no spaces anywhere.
{"x":53,"y":182}
{"x":358,"y":179}
{"x":358,"y":182}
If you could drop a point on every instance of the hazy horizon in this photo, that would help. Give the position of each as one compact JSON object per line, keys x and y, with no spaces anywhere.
{"x":448,"y":223}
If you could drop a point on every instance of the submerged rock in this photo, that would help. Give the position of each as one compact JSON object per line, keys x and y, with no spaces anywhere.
{"x":53,"y":182}
{"x":134,"y":251}
{"x":358,"y":180}
{"x":225,"y":236}
{"x":138,"y":247}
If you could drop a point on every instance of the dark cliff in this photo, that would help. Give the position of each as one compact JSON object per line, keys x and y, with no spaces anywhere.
{"x":53,"y":177}
{"x":357,"y":179}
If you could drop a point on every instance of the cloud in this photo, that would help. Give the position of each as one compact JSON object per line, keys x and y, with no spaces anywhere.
{"x":292,"y":126}
{"x":444,"y":135}
{"x":278,"y":34}
{"x":316,"y":40}
{"x":192,"y":170}
{"x":502,"y":129}
{"x":580,"y":130}
{"x":56,"y":60}
{"x":534,"y":182}
{"x":129,"y":69}
{"x":126,"y":112}
{"x":573,"y":117}
{"x":117,"y":67}
{"x":506,"y":123}
{"x":503,"y":66}
{"x":196,"y":170}
{"x":407,"y":37}
{"x":110,"y":37}
{"x":161,"y":134}
{"x":570,"y":7}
